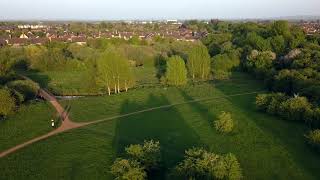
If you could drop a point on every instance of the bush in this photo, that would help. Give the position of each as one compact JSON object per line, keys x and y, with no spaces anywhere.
{"x":275,"y":102}
{"x":141,"y":158}
{"x":225,"y":123}
{"x":147,"y":154}
{"x":270,"y":102}
{"x":295,"y":109}
{"x":27,"y":88}
{"x":7,"y":103}
{"x":128,"y":170}
{"x":200,"y":164}
{"x":263,"y":101}
{"x":313,"y":139}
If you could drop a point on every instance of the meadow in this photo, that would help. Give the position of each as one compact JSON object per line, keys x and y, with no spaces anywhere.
{"x":266,"y":146}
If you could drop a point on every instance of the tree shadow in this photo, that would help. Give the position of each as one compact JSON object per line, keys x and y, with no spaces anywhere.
{"x":42,"y":79}
{"x":164,"y":125}
{"x":289,"y":134}
{"x":200,"y":108}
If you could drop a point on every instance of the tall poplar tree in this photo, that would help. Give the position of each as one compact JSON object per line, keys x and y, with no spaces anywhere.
{"x":199,"y":63}
{"x":176,"y":71}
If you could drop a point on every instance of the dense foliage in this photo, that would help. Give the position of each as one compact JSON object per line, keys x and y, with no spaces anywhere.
{"x":142,"y":159}
{"x":224,"y":123}
{"x":176,"y":73}
{"x":201,"y":164}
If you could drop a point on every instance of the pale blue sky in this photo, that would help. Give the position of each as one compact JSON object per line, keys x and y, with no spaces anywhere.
{"x":153,"y":9}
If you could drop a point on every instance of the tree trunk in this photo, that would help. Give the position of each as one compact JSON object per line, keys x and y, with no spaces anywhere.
{"x":109,"y":91}
{"x":115,"y":88}
{"x":125,"y":85}
{"x":118,"y":84}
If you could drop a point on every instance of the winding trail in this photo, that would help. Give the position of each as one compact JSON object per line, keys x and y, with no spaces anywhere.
{"x":67,"y":124}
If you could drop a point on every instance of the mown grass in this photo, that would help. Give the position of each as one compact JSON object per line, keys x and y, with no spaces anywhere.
{"x":30,"y":121}
{"x":64,"y":82}
{"x":267,"y":147}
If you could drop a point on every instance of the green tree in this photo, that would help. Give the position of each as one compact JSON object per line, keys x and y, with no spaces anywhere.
{"x":234,"y":171}
{"x":278,"y":44}
{"x":7,"y":103}
{"x":113,"y":72}
{"x":124,"y":169}
{"x":201,"y":164}
{"x":199,"y":63}
{"x":224,"y":124}
{"x":176,"y":73}
{"x":222,"y":65}
{"x":295,"y":109}
{"x":147,"y":154}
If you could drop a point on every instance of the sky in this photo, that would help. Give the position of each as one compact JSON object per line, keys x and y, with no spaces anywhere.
{"x":154,"y":9}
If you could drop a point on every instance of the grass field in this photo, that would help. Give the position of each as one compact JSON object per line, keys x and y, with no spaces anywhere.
{"x":80,"y":82}
{"x":267,"y":147}
{"x":30,"y":121}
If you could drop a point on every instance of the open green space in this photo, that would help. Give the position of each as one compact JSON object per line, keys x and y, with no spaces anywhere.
{"x":30,"y":121}
{"x":267,"y":147}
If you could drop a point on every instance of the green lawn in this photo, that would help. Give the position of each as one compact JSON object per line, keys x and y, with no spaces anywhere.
{"x":64,"y":82}
{"x":267,"y":147}
{"x":30,"y":121}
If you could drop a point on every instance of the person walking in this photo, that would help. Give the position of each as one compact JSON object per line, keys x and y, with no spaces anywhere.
{"x":52,"y":123}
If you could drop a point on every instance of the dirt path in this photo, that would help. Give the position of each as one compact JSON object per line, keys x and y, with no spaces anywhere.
{"x":67,"y":124}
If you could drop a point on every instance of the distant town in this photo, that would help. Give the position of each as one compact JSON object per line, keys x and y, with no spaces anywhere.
{"x":19,"y":34}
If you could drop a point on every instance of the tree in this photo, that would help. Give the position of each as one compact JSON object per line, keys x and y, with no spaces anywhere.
{"x":201,"y":164}
{"x":147,"y":154}
{"x":222,"y":65}
{"x":199,"y":63}
{"x":124,"y":169}
{"x":224,"y":124}
{"x":281,"y":28}
{"x":295,"y":109}
{"x":278,"y":44}
{"x":113,"y":72}
{"x":234,"y":171}
{"x":176,"y":73}
{"x":7,"y":103}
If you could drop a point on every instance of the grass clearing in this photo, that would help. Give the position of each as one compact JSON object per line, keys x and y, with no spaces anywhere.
{"x":267,"y":147}
{"x":30,"y":121}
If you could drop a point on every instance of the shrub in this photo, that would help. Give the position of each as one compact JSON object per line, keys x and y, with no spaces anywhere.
{"x":224,"y":124}
{"x":275,"y":102}
{"x":313,"y":138}
{"x":200,"y":164}
{"x":128,"y":170}
{"x":263,"y":101}
{"x":147,"y":154}
{"x":233,"y":167}
{"x":141,"y":158}
{"x":270,"y":102}
{"x":7,"y":103}
{"x":27,"y":88}
{"x":295,"y":109}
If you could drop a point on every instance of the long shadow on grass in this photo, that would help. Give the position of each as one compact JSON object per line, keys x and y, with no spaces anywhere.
{"x":289,"y":134}
{"x":42,"y":79}
{"x":201,"y":109}
{"x":164,"y":125}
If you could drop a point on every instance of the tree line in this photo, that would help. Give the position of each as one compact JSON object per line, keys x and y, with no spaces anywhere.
{"x":280,"y":54}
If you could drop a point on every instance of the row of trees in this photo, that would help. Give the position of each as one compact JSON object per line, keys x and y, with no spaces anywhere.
{"x":113,"y":72}
{"x":143,"y":159}
{"x":198,"y":66}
